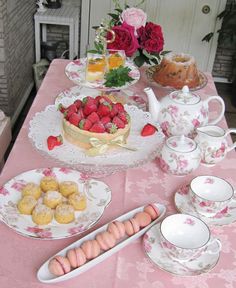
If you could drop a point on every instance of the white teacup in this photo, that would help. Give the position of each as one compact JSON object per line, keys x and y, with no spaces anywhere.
{"x":210,"y":194}
{"x":185,"y":237}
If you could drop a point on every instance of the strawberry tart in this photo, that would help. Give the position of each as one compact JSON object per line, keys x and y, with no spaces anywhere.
{"x":95,"y":118}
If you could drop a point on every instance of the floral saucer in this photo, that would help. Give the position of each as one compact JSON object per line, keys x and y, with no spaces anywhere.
{"x":98,"y":196}
{"x":75,"y":71}
{"x":154,"y":250}
{"x":184,"y":205}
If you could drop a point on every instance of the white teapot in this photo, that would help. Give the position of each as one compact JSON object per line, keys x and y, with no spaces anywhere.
{"x":181,"y":112}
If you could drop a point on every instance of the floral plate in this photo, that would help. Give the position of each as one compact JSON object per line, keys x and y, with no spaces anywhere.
{"x":203,"y":79}
{"x":183,"y":205}
{"x":154,"y":250}
{"x":75,"y":71}
{"x":98,"y":197}
{"x":48,"y":122}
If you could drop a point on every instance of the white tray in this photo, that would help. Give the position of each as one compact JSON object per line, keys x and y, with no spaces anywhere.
{"x":45,"y":276}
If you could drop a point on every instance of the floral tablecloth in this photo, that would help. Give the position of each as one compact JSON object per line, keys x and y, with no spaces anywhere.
{"x":21,"y":257}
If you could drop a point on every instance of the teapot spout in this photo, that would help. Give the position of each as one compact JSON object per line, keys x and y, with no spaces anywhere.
{"x":153,"y":104}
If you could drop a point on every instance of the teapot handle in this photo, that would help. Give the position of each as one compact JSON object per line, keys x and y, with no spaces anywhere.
{"x":221,"y":101}
{"x":229,"y":131}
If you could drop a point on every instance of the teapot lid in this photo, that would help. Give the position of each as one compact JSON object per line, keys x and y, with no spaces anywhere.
{"x":184,"y":96}
{"x":181,"y":144}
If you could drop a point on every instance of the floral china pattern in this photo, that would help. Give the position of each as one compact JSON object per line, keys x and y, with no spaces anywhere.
{"x":184,"y":205}
{"x":98,"y":197}
{"x":75,"y":71}
{"x":154,"y":250}
{"x":176,"y":121}
{"x":178,"y":164}
{"x":212,"y":154}
{"x":207,"y":206}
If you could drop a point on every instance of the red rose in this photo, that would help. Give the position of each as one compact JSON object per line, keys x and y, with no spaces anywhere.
{"x":124,"y":40}
{"x":151,"y":38}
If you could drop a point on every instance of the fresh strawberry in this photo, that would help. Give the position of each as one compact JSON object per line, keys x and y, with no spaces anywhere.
{"x":104,"y":109}
{"x":111,"y":128}
{"x":88,"y":100}
{"x":97,"y":99}
{"x":148,"y":130}
{"x":105,"y":120}
{"x":118,"y":122}
{"x":73,"y":108}
{"x":114,"y":111}
{"x":70,"y":110}
{"x":97,"y":128}
{"x":81,"y":113}
{"x":78,"y":103}
{"x":119,"y":107}
{"x":53,"y":141}
{"x":93,"y":117}
{"x":74,"y":119}
{"x":85,"y":124}
{"x":61,"y":108}
{"x":89,"y":108}
{"x":124,"y":116}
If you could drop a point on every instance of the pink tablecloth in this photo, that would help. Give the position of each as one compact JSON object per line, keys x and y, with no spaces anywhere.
{"x":20,"y":257}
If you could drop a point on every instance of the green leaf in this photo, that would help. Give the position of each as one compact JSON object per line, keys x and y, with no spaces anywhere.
{"x":208,"y":37}
{"x":114,"y":16}
{"x":118,"y":10}
{"x":139,"y":60}
{"x":118,"y":77}
{"x":94,"y":51}
{"x":165,"y":52}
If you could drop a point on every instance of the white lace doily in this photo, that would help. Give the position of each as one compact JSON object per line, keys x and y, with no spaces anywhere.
{"x":49,"y":122}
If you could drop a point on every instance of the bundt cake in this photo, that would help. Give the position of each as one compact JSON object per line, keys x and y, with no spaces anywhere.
{"x":177,"y":70}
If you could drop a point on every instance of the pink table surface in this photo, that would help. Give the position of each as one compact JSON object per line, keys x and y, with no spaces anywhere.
{"x":21,"y":257}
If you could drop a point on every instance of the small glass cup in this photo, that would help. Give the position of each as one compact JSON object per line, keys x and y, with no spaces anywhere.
{"x":96,"y":67}
{"x":116,"y":58}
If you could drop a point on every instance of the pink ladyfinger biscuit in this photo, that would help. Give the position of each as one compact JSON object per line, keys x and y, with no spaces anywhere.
{"x":80,"y":256}
{"x":152,"y":210}
{"x":135,"y":225}
{"x":91,"y":249}
{"x":106,"y":240}
{"x":59,"y":265}
{"x":71,"y":256}
{"x":143,"y":219}
{"x":117,"y":229}
{"x":128,"y":228}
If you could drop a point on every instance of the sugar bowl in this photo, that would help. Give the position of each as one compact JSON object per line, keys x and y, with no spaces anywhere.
{"x":180,"y":155}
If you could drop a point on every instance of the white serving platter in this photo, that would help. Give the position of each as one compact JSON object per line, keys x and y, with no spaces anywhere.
{"x":45,"y":276}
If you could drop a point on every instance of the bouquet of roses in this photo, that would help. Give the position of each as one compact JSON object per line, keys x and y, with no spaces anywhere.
{"x":141,"y":40}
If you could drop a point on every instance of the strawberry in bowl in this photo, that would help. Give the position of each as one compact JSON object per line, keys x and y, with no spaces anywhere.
{"x":95,"y":123}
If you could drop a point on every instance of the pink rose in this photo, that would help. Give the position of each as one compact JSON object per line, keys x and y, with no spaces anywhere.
{"x":124,"y":40}
{"x":134,"y":17}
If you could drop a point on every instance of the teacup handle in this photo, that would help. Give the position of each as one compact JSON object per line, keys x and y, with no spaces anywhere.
{"x":219,"y":99}
{"x":229,"y":131}
{"x":214,"y":251}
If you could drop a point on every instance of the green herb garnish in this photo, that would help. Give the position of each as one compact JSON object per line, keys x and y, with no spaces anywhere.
{"x":118,"y":77}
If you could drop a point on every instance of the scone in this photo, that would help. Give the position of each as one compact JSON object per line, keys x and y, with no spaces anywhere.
{"x":64,"y":213}
{"x":42,"y":214}
{"x":78,"y":201}
{"x":26,"y":205}
{"x":32,"y":189}
{"x":68,"y":187}
{"x":52,"y":199}
{"x":48,"y":183}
